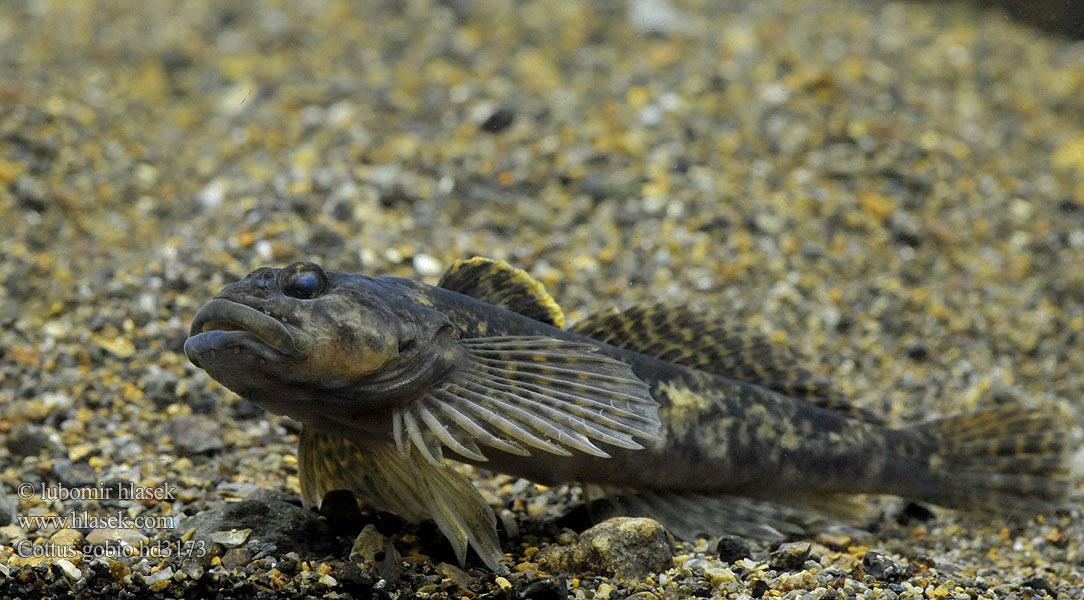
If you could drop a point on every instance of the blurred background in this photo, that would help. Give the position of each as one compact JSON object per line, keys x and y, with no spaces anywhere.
{"x":894,"y":188}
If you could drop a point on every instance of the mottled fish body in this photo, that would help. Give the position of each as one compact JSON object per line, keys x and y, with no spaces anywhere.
{"x":705,"y":427}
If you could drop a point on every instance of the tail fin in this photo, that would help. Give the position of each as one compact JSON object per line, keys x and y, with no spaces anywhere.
{"x":1005,"y":459}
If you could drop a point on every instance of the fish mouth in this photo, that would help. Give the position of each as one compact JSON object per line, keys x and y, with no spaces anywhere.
{"x":223,"y":325}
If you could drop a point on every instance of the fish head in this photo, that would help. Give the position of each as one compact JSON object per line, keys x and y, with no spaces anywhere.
{"x":286,"y":338}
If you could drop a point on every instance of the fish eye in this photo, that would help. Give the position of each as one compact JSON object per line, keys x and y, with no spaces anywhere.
{"x":303,"y":280}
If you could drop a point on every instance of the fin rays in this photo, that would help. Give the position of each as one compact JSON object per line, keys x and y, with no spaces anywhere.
{"x":1002,"y":458}
{"x":530,"y":392}
{"x":594,"y":424}
{"x":501,"y":284}
{"x":688,"y":514}
{"x":684,"y":337}
{"x":406,"y":484}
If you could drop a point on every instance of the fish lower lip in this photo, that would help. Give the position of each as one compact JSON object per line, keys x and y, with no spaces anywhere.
{"x":275,"y":334}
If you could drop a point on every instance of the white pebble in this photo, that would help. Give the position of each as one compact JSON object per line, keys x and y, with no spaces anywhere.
{"x":213,"y":195}
{"x":263,"y":249}
{"x":426,"y":265}
{"x":160,"y":575}
{"x":69,"y":569}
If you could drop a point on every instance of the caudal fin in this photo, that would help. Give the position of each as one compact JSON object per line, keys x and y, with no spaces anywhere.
{"x":1003,"y":459}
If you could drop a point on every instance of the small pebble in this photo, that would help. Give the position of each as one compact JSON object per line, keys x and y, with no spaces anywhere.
{"x":732,"y":548}
{"x":232,"y":538}
{"x":367,"y":545}
{"x":9,"y":506}
{"x":31,"y":440}
{"x":236,"y":557}
{"x":498,"y":120}
{"x":195,"y":434}
{"x":789,"y":556}
{"x":629,"y":548}
{"x":882,"y":568}
{"x":427,"y":266}
{"x":70,"y":570}
{"x":159,"y":580}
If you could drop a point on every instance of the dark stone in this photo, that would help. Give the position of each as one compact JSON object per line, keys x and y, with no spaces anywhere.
{"x":160,"y":385}
{"x":541,"y":589}
{"x":289,"y":566}
{"x":759,"y":588}
{"x":352,"y":577}
{"x":387,"y":523}
{"x":733,"y":548}
{"x":918,"y":352}
{"x":174,"y":60}
{"x":500,"y":119}
{"x":395,"y":197}
{"x":8,"y":507}
{"x":236,"y":557}
{"x":391,"y":568}
{"x":716,"y":223}
{"x":343,"y":211}
{"x":192,"y":568}
{"x":340,"y":507}
{"x":1040,"y":584}
{"x":291,"y":528}
{"x":789,"y":556}
{"x":202,"y":404}
{"x":30,"y":192}
{"x":882,"y":568}
{"x":74,"y":475}
{"x":914,"y":512}
{"x":30,"y":440}
{"x":97,"y":573}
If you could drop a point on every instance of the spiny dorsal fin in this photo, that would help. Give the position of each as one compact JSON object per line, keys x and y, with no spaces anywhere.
{"x":681,"y":336}
{"x":501,"y":284}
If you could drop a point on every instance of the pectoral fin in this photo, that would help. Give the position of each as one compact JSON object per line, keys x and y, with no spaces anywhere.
{"x":408,"y":485}
{"x":518,"y":394}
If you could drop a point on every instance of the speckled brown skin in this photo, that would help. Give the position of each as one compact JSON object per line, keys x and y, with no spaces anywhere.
{"x":719,"y":435}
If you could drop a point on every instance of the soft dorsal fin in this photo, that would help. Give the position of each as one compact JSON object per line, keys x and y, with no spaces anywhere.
{"x":501,"y":284}
{"x":681,"y":336}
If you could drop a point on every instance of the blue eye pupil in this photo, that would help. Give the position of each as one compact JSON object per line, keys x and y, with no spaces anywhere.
{"x":306,"y":285}
{"x":302,"y":280}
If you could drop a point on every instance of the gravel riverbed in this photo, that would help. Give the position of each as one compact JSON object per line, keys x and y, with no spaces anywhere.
{"x":895,"y":189}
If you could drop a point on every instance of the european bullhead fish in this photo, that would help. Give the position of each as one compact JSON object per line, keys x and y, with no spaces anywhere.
{"x":669,"y":413}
